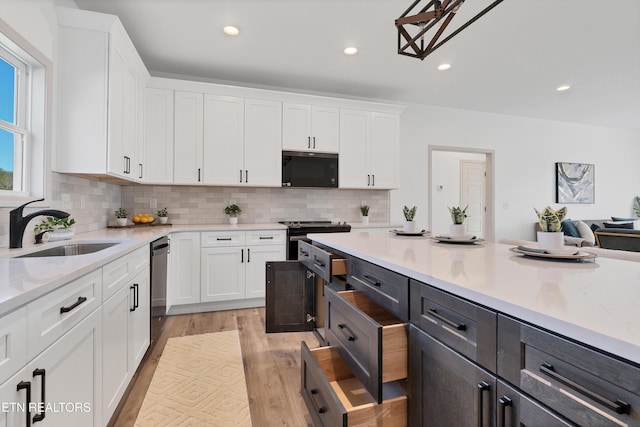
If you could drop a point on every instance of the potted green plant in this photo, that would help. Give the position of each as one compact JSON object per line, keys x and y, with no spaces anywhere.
{"x":121,"y":216}
{"x":458,"y":215}
{"x":550,"y":235}
{"x":364,"y":212}
{"x":636,"y":206}
{"x":59,"y":228}
{"x":233,"y":211}
{"x":409,"y":225}
{"x":163,"y":215}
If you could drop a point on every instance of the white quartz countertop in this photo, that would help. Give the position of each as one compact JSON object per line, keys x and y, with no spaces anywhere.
{"x":24,"y":279}
{"x":595,"y":303}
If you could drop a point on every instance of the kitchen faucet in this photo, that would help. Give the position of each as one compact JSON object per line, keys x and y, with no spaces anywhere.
{"x":18,"y":223}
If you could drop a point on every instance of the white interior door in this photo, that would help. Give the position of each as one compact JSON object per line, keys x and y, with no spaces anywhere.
{"x":472,"y":194}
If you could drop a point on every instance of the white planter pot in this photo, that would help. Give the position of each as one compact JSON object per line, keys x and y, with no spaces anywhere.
{"x":550,"y":239}
{"x":121,"y":222}
{"x":61,"y":234}
{"x":365,"y":219}
{"x":233,"y":220}
{"x":163,"y":219}
{"x":456,"y":230}
{"x":409,"y":227}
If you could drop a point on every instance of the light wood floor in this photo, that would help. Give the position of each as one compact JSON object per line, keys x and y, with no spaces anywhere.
{"x":271,"y":366}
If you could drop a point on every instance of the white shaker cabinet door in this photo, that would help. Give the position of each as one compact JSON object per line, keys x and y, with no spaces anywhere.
{"x":223,"y":140}
{"x":325,"y":136}
{"x":296,"y":127}
{"x":353,"y":164}
{"x":188,"y":137}
{"x":263,"y":143}
{"x":158,"y":136}
{"x":384,"y":150}
{"x":223,"y":273}
{"x":184,"y":285}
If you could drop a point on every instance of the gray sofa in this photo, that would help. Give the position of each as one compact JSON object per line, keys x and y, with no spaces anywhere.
{"x":607,"y":238}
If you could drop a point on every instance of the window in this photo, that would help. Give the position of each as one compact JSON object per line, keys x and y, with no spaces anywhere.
{"x":24,"y":117}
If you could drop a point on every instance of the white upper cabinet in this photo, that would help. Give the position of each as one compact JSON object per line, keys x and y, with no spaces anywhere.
{"x":158,"y":136}
{"x":101,"y":77}
{"x":188,"y":137}
{"x":223,"y":140}
{"x":310,"y":128}
{"x":369,"y":149}
{"x":262,"y":142}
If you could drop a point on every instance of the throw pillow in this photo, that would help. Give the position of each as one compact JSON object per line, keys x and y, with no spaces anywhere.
{"x":621,"y":224}
{"x":595,"y":227}
{"x":569,"y":228}
{"x":585,"y":232}
{"x":617,"y":219}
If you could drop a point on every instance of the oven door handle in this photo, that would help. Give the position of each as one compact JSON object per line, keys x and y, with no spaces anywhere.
{"x":298,"y":238}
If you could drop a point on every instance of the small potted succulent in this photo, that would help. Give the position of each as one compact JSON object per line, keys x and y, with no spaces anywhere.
{"x":364,"y":211}
{"x":550,"y":235}
{"x":121,"y":216}
{"x":233,"y":211}
{"x":163,"y":215}
{"x":409,"y":225}
{"x":59,"y":228}
{"x":457,"y":218}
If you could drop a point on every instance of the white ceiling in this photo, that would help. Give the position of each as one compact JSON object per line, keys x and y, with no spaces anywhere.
{"x":508,"y":62}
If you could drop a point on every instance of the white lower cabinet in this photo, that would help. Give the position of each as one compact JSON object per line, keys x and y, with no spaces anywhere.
{"x":125,"y":337}
{"x":184,"y":285}
{"x":223,"y":274}
{"x":66,"y":378}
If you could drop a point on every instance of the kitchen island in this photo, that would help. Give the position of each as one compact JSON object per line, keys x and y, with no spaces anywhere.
{"x":591,"y":302}
{"x":494,"y":338}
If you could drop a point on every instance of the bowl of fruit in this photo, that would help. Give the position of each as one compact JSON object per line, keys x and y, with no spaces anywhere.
{"x":143,"y":219}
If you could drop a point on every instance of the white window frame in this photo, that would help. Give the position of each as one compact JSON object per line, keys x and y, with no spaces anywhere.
{"x":32,"y":116}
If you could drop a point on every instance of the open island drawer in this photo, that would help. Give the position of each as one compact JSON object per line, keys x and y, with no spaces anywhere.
{"x":335,"y":397}
{"x":371,"y":340}
{"x":324,"y":264}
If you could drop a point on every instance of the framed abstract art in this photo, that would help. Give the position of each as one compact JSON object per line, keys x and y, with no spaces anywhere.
{"x":575,"y":183}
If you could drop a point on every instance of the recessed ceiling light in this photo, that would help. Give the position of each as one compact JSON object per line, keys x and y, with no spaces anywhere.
{"x":230,"y":30}
{"x":443,"y":67}
{"x":562,"y":88}
{"x":351,"y":51}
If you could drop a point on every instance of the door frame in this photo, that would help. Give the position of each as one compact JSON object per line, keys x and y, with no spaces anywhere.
{"x":464,"y":162}
{"x":489,"y":232}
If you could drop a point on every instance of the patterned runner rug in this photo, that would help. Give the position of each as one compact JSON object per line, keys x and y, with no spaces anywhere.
{"x":199,"y":381}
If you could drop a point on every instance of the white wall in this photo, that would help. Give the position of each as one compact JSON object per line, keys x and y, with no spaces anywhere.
{"x":526,"y":151}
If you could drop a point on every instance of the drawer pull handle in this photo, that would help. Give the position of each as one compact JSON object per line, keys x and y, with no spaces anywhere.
{"x":40,"y":416}
{"x":72,"y":306}
{"x":347,"y":331}
{"x":223,"y":238}
{"x":619,"y":406}
{"x":304,"y":253}
{"x":321,"y":409}
{"x":459,"y":326}
{"x":504,"y":401}
{"x":266,"y":237}
{"x":26,"y":385}
{"x":482,"y":387}
{"x":318,"y":262}
{"x":370,"y":280}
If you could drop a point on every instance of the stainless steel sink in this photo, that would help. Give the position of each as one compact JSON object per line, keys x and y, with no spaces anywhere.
{"x":70,"y":250}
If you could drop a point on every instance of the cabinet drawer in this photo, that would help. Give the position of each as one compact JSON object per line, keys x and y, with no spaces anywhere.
{"x":52,"y":315}
{"x":266,"y":237}
{"x":462,"y":325}
{"x":387,"y":288}
{"x":222,"y":238}
{"x":117,"y":273}
{"x":372,"y":341}
{"x":13,"y":343}
{"x":323,"y":263}
{"x":335,"y":397}
{"x":584,"y":385}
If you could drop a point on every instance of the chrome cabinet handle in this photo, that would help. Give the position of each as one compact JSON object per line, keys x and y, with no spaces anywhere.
{"x":618,"y":406}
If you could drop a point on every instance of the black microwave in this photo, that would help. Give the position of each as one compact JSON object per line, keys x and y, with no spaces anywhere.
{"x":302,"y":169}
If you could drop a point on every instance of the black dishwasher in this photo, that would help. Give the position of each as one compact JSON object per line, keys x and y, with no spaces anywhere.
{"x":159,"y":255}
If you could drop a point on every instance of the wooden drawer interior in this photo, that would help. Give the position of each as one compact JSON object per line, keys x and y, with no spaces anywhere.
{"x":360,"y":407}
{"x":338,"y":266}
{"x":394,"y":335}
